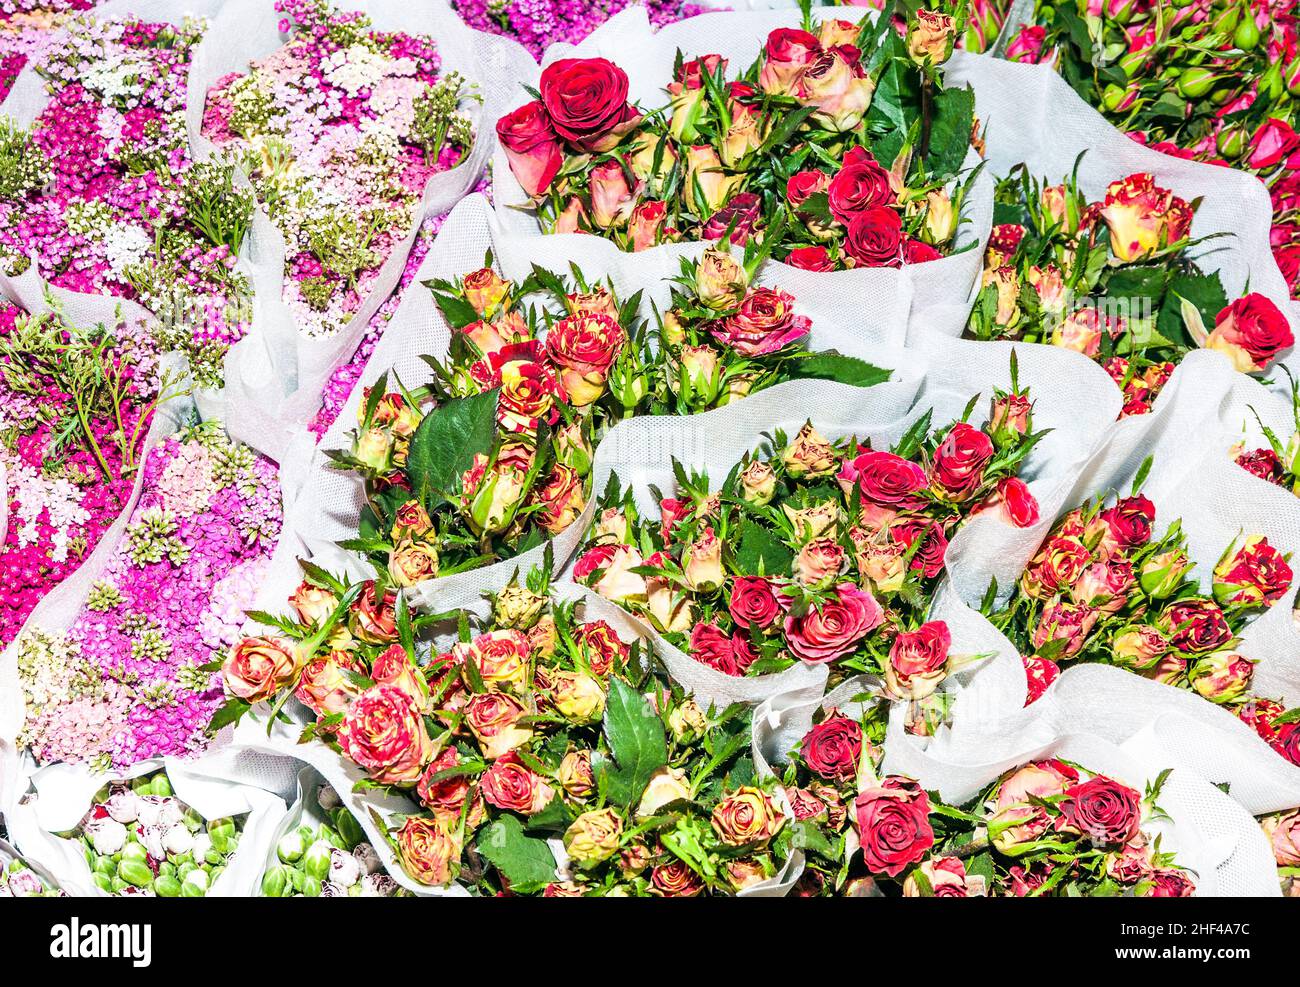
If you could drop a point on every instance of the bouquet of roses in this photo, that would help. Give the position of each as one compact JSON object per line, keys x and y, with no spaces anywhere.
{"x":102,"y":191}
{"x":815,"y":551}
{"x":340,"y":131}
{"x":494,"y":454}
{"x":839,"y":146}
{"x":1278,"y":462}
{"x":126,"y":682}
{"x":1048,"y":828}
{"x":1105,"y":587}
{"x":539,"y":725}
{"x":140,"y":839}
{"x":75,"y":406}
{"x":1283,"y":832}
{"x":1204,"y":80}
{"x":330,"y":860}
{"x":1114,"y":280}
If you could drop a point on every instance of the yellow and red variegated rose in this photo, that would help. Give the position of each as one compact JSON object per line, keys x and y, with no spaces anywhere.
{"x":486,"y":291}
{"x":429,"y":851}
{"x":1143,"y":217}
{"x":1250,"y":332}
{"x":493,"y":718}
{"x":324,"y":686}
{"x":584,"y":347}
{"x":561,"y":499}
{"x":258,"y":667}
{"x":747,"y":815}
{"x":501,"y":657}
{"x":765,"y":323}
{"x":385,"y":735}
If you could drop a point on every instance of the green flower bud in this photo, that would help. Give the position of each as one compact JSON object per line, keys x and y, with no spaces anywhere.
{"x":316,"y":861}
{"x":275,"y":882}
{"x":195,"y":884}
{"x":1246,"y":35}
{"x":134,"y":851}
{"x":1196,"y":82}
{"x":290,"y":848}
{"x":135,"y":872}
{"x":311,"y":887}
{"x":165,"y":886}
{"x":103,"y":881}
{"x":160,"y":786}
{"x":349,"y":829}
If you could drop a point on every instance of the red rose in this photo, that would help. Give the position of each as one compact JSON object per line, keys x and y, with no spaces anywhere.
{"x":764,"y":324}
{"x":1196,"y":626}
{"x":601,"y":646}
{"x":1263,"y":463}
{"x":1273,"y":141}
{"x":885,"y":479}
{"x":448,"y":794}
{"x":785,"y":56}
{"x":1287,"y":742}
{"x":831,"y":749}
{"x":1020,"y":505}
{"x":875,"y":238}
{"x":583,"y":347}
{"x":960,"y":459}
{"x":709,"y":646}
{"x":385,"y":734}
{"x":919,"y":252}
{"x":531,"y":146}
{"x":587,"y":101}
{"x":753,"y":602}
{"x":1250,"y":332}
{"x":374,"y":620}
{"x":1103,"y":810}
{"x":810,"y":259}
{"x":893,"y":823}
{"x":832,"y":630}
{"x":803,"y":184}
{"x":1005,"y":238}
{"x":928,"y":559}
{"x":1040,"y":673}
{"x":742,"y":649}
{"x":511,"y":786}
{"x":859,"y":185}
{"x":1259,"y":714}
{"x":592,"y":561}
{"x":1251,"y":572}
{"x":1130,"y":521}
{"x":1170,"y":882}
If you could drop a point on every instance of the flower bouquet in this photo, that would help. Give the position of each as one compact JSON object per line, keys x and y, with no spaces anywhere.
{"x":1047,"y":828}
{"x":76,"y":404}
{"x":495,"y":454}
{"x":1107,"y":587}
{"x":339,"y":131}
{"x":102,"y":194}
{"x":1115,"y":280}
{"x":1203,"y":80}
{"x":813,"y":551}
{"x":18,"y":879}
{"x":838,"y":147}
{"x":139,"y":839}
{"x":126,"y":681}
{"x":538,"y":725}
{"x":324,"y":853}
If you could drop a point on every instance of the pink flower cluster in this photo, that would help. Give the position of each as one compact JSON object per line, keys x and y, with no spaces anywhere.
{"x":171,"y":601}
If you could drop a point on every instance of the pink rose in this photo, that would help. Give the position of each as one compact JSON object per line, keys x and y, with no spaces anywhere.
{"x":825,"y":633}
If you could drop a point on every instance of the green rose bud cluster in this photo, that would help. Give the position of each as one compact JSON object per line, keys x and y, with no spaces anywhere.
{"x":332,"y":860}
{"x":140,"y":839}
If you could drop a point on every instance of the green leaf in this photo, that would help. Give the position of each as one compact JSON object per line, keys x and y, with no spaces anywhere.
{"x":1204,"y":291}
{"x":831,"y":365}
{"x":761,"y":551}
{"x":555,"y":818}
{"x":446,"y":441}
{"x":638,"y":746}
{"x":525,"y":861}
{"x":458,"y":312}
{"x":232,"y":712}
{"x":950,"y":127}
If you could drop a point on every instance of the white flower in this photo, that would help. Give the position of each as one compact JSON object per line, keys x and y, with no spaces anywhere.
{"x":149,"y":810}
{"x":25,"y":883}
{"x":198,"y":878}
{"x":344,"y":868}
{"x":378,"y":886}
{"x":171,"y":813}
{"x":122,"y":806}
{"x":178,"y":839}
{"x":367,"y":858}
{"x":108,"y":836}
{"x":202,"y":844}
{"x":152,"y":838}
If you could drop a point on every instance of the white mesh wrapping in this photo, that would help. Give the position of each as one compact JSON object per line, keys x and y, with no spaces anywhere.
{"x":226,"y":783}
{"x":1033,"y":116}
{"x":274,"y":376}
{"x":941,"y":289}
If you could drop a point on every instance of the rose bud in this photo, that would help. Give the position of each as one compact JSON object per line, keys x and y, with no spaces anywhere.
{"x":1283,"y":832}
{"x":1055,"y":568}
{"x":645,"y":150}
{"x":765,"y":323}
{"x":702,"y":562}
{"x":814,"y":258}
{"x":373,"y":450}
{"x":1061,"y":208}
{"x":785,"y":56}
{"x":259,"y":667}
{"x":893,"y":824}
{"x":1068,"y":623}
{"x":575,"y":775}
{"x":532,"y":147}
{"x":1195,"y":626}
{"x":720,"y":282}
{"x":1251,"y":572}
{"x":809,"y":455}
{"x":1129,"y":522}
{"x":708,"y":186}
{"x":881,"y":562}
{"x":560,"y":500}
{"x":577,"y":697}
{"x":687,"y":721}
{"x":886,"y":480}
{"x":946,"y":878}
{"x":1222,"y":677}
{"x":711,"y":647}
{"x":1162,"y":574}
{"x":517,"y":607}
{"x":313,"y":604}
{"x":1010,"y":418}
{"x":930,"y":37}
{"x":1169,"y":882}
{"x":802,"y":185}
{"x":959,"y":461}
{"x":757,"y":483}
{"x":428,"y":852}
{"x":612,"y":199}
{"x":1259,"y":714}
{"x":837,"y":88}
{"x":645,"y":226}
{"x":1006,"y":285}
{"x":1250,"y":332}
{"x":666,"y":786}
{"x":600,"y":648}
{"x":809,"y":522}
{"x":446,"y":797}
{"x":412,"y":562}
{"x":1016,"y":819}
{"x":1139,"y":647}
{"x":491,"y":495}
{"x":699,"y":376}
{"x":1142,"y":217}
{"x":500,"y":657}
{"x":616,"y":580}
{"x":832,"y":748}
{"x":411,"y":521}
{"x":385,"y":735}
{"x":324,"y":686}
{"x":753,"y":603}
{"x":833,"y":33}
{"x":1049,"y":284}
{"x":1103,"y":811}
{"x":820,"y":563}
{"x":1019,"y":505}
{"x":583,"y":347}
{"x":512,"y":787}
{"x":486,"y":291}
{"x":572,"y":219}
{"x":593,"y":837}
{"x":1105,"y":585}
{"x":1040,"y":673}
